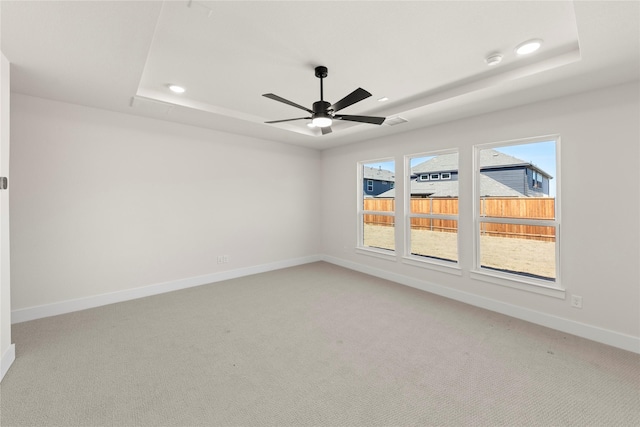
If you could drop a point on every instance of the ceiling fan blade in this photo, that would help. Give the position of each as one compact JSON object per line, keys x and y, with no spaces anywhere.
{"x":286,"y":101}
{"x":289,"y":120}
{"x":363,"y":119}
{"x":355,"y":96}
{"x":326,"y":130}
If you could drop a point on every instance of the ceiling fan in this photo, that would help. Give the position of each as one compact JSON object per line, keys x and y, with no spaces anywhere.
{"x":323,"y":113}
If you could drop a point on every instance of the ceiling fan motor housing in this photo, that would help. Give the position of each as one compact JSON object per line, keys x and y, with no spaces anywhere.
{"x":321,"y":108}
{"x":321,"y":72}
{"x":321,"y":115}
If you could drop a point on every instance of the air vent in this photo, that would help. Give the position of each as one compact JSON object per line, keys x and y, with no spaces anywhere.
{"x":392,"y":121}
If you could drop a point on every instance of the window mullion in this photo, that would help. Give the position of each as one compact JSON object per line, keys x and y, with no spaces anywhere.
{"x":519,"y":221}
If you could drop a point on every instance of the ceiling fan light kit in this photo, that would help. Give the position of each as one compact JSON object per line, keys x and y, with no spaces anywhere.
{"x":323,"y":113}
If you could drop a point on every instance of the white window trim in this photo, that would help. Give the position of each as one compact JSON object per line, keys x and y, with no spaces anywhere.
{"x":512,"y":280}
{"x":445,"y":173}
{"x":451,"y":267}
{"x":360,"y":248}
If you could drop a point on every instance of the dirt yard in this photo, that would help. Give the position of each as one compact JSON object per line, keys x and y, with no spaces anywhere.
{"x":518,"y":255}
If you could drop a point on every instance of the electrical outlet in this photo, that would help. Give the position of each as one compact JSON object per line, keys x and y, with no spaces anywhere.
{"x":576,"y":301}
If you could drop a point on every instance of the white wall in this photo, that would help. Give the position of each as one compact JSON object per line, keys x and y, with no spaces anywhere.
{"x":600,"y":229}
{"x":104,"y":202}
{"x":7,"y":350}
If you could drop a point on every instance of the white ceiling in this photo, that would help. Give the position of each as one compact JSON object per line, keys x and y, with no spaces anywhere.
{"x":427,"y":57}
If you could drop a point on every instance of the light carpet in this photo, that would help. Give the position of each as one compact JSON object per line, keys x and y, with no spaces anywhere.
{"x":314,"y":345}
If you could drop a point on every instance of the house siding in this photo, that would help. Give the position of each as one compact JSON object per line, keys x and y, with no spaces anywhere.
{"x":379,"y":187}
{"x":511,"y":177}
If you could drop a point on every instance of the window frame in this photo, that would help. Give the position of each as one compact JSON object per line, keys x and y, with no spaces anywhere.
{"x":514,"y":280}
{"x":447,"y":266}
{"x":361,"y":212}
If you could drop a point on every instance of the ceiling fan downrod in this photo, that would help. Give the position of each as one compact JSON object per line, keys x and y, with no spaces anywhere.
{"x":321,"y":73}
{"x":321,"y":114}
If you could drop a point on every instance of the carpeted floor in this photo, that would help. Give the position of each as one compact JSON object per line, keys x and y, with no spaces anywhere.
{"x":310,"y":345}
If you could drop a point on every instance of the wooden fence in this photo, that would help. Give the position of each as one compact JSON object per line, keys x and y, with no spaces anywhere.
{"x":496,"y":207}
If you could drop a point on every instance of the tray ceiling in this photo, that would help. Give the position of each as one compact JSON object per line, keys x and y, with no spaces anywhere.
{"x":427,"y":58}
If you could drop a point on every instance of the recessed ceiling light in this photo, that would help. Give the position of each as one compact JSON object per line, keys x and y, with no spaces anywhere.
{"x":176,"y":89}
{"x":384,"y":98}
{"x":493,"y":59}
{"x":528,"y":47}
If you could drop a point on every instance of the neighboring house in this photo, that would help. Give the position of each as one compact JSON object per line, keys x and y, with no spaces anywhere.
{"x":377,"y":181}
{"x":523,"y":177}
{"x":436,"y":177}
{"x":501,"y":175}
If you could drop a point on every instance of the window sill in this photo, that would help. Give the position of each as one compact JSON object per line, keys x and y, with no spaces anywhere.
{"x":443,"y":266}
{"x":521,"y":284}
{"x":378,"y":253}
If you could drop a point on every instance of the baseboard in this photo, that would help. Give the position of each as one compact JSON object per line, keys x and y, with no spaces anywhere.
{"x":7,"y":360}
{"x":604,"y":336}
{"x":62,"y":307}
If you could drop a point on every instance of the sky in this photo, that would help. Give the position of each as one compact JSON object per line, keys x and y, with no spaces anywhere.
{"x":541,"y":154}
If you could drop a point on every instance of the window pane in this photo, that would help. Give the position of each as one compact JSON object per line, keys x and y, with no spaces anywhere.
{"x":527,"y":250}
{"x":434,"y":238}
{"x":378,"y":196}
{"x":518,"y":182}
{"x":379,"y":232}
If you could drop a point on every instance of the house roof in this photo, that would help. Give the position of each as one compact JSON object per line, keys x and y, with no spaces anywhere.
{"x":488,"y":186}
{"x":489,"y":159}
{"x":440,"y":163}
{"x":378,"y":174}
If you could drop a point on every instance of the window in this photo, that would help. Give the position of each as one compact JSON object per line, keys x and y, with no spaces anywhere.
{"x":424,"y":177}
{"x":376,"y":212}
{"x":536,"y":179}
{"x":431,"y":209}
{"x":517,"y":229}
{"x":369,"y":185}
{"x":445,"y":175}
